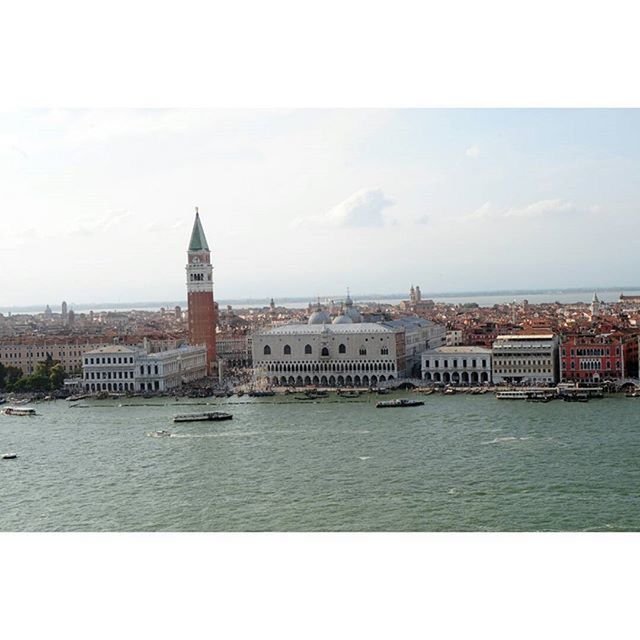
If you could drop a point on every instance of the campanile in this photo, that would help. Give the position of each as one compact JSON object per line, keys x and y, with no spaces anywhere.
{"x":202,"y":312}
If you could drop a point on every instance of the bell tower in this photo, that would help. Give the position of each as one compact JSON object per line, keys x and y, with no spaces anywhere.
{"x":202,"y":312}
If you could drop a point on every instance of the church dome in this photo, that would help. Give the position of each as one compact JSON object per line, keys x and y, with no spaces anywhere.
{"x":343,"y":318}
{"x":319,"y":317}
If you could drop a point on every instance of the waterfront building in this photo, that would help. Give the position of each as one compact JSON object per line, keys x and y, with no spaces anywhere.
{"x":233,"y":348}
{"x":343,"y":350}
{"x":202,"y":310}
{"x":596,"y":358}
{"x":525,"y":358}
{"x":124,"y":368}
{"x":420,"y":335}
{"x":467,"y":365}
{"x":25,"y":354}
{"x":358,"y":354}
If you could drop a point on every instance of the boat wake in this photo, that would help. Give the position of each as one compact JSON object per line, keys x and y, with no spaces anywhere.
{"x":222,"y":434}
{"x":507,"y":439}
{"x":363,"y":457}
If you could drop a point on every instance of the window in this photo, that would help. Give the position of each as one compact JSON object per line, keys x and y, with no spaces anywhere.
{"x":325,"y":351}
{"x":363,"y":351}
{"x":342,"y":349}
{"x":307,"y":348}
{"x":267,"y":350}
{"x":384,"y":351}
{"x":287,"y":350}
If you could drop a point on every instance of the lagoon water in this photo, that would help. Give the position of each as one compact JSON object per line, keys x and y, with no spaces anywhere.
{"x":455,"y":464}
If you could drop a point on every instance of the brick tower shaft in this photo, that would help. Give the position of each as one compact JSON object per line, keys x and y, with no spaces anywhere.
{"x":202,"y":311}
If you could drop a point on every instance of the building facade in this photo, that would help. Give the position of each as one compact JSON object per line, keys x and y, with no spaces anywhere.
{"x":329,"y":355}
{"x":120,"y":368}
{"x":596,"y":358}
{"x":202,"y":311}
{"x":465,"y":365}
{"x":525,"y":359}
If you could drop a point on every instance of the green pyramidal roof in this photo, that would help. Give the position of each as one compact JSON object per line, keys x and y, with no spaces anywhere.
{"x":198,"y":240}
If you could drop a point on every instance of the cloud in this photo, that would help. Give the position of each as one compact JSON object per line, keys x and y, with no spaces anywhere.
{"x":540,"y":209}
{"x":422,"y":220}
{"x":91,"y":225}
{"x":364,"y":208}
{"x":156,"y":226}
{"x":473,"y":152}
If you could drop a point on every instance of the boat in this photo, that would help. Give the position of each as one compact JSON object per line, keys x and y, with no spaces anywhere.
{"x":77,"y":397}
{"x":575,"y":397}
{"x":208,"y":416}
{"x":261,"y":394}
{"x":542,"y":397}
{"x":449,"y":391}
{"x":398,"y":402}
{"x":633,"y":394}
{"x":19,"y":411}
{"x":349,"y":394}
{"x":162,"y":433}
{"x":512,"y":395}
{"x":9,"y":456}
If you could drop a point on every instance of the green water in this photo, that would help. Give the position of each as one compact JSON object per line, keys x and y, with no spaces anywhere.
{"x":455,"y":464}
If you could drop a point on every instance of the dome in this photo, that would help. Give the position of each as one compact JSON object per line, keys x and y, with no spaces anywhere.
{"x":343,"y":318}
{"x":350,"y":311}
{"x":319,"y":317}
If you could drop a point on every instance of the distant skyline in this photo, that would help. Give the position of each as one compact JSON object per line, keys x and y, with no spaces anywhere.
{"x":98,"y":204}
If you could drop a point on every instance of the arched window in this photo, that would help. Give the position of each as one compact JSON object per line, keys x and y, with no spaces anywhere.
{"x":363,"y":351}
{"x":325,"y":351}
{"x":267,"y":350}
{"x":307,"y":348}
{"x":287,"y":350}
{"x":384,"y":351}
{"x":342,"y":349}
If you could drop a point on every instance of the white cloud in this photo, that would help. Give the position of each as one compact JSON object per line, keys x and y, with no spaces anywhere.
{"x":473,"y":152}
{"x":98,"y":224}
{"x":364,"y":208}
{"x":540,"y":209}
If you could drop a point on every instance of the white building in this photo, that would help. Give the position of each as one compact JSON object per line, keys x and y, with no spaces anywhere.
{"x":529,"y":359}
{"x":121,"y":368}
{"x":467,"y":365}
{"x":338,"y":354}
{"x":420,"y":335}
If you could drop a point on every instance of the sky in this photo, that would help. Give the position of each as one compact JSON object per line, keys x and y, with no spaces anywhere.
{"x":98,"y":205}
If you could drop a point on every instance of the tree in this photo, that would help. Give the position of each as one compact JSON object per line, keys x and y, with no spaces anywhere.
{"x":57,"y":376}
{"x":9,"y":377}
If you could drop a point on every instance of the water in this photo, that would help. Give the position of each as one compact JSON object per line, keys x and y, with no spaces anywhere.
{"x":484,"y":299}
{"x":455,"y":464}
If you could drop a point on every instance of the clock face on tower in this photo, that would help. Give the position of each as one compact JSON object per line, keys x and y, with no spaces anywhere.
{"x":196,"y":260}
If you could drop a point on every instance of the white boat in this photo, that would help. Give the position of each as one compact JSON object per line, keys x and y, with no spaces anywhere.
{"x":19,"y":411}
{"x":9,"y":456}
{"x":512,"y":395}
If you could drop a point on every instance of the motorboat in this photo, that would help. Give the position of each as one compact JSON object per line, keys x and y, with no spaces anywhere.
{"x":162,"y":433}
{"x":9,"y":456}
{"x":19,"y":411}
{"x":261,"y":394}
{"x":77,"y":397}
{"x":398,"y":402}
{"x":209,"y":416}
